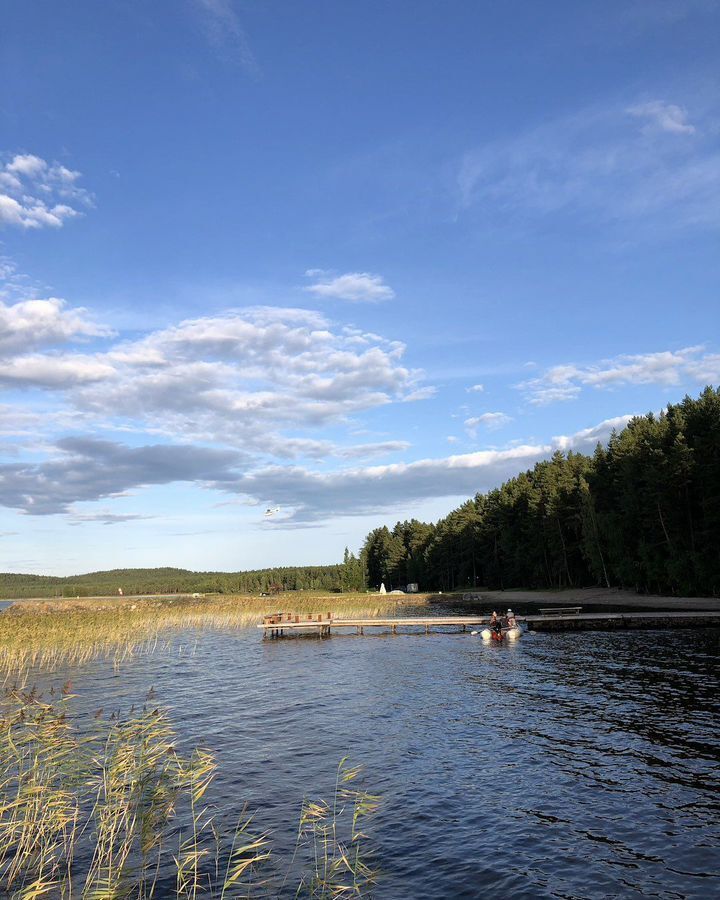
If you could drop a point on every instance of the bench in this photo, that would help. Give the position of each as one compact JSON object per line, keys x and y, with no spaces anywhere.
{"x":559,"y":610}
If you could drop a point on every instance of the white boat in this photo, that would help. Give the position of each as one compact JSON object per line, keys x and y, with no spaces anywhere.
{"x":510,"y":634}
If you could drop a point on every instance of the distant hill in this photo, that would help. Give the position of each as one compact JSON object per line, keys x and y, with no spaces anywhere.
{"x":342,"y":576}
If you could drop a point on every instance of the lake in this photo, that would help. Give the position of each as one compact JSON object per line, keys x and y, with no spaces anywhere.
{"x":567,"y":765}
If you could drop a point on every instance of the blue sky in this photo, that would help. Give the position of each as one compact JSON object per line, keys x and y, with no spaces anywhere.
{"x":352,"y":262}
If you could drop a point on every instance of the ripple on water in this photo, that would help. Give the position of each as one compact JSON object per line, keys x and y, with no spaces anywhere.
{"x":563,"y":766}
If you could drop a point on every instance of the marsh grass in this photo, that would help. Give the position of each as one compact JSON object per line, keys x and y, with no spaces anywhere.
{"x":46,"y":634}
{"x":118,"y":812}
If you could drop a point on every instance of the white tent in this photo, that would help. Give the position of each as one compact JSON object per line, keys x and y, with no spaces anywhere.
{"x":382,"y":588}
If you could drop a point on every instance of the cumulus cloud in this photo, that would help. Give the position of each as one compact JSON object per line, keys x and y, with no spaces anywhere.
{"x":357,"y":287}
{"x":665,"y":116}
{"x":589,"y":438}
{"x":53,"y":372}
{"x":32,"y":323}
{"x":565,"y":382}
{"x":475,"y":389}
{"x":243,"y":378}
{"x":490,"y":420}
{"x":37,"y":194}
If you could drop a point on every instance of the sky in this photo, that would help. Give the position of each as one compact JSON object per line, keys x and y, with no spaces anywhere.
{"x":349,"y":262}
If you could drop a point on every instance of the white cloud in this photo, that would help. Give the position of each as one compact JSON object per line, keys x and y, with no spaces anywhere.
{"x":667,"y":367}
{"x":104,"y":517}
{"x":226,"y":34}
{"x":475,"y":389}
{"x":357,"y":287}
{"x":310,"y":496}
{"x":53,"y":372}
{"x":366,"y":451}
{"x":596,"y":167}
{"x":26,"y":165}
{"x":33,"y":323}
{"x":490,"y":420}
{"x":245,"y":378}
{"x":588,"y":438}
{"x":665,"y":116}
{"x":38,"y":194}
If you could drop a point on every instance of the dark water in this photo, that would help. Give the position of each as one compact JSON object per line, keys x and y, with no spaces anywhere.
{"x":563,"y":766}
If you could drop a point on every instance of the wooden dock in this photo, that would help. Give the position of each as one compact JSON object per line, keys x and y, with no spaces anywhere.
{"x":278,"y":625}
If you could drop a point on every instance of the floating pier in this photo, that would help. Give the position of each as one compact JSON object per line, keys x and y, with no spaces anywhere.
{"x":278,"y":624}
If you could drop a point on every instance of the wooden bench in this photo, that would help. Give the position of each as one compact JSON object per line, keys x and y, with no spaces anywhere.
{"x":559,"y":610}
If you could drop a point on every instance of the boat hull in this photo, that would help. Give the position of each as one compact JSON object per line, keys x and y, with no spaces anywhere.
{"x":505,"y":634}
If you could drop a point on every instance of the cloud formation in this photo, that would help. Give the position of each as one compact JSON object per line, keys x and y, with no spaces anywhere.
{"x":85,"y":469}
{"x":309,"y":496}
{"x":357,"y":287}
{"x":244,"y":378}
{"x":227,"y":401}
{"x":490,"y":420}
{"x":601,"y":168}
{"x":33,"y":323}
{"x":225,"y":33}
{"x":38,"y":194}
{"x":665,"y":116}
{"x":565,"y":382}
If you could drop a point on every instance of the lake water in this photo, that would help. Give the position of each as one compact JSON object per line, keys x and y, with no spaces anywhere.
{"x":568,"y":765}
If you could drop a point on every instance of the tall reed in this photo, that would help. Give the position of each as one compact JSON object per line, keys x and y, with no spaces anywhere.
{"x":48,"y":634}
{"x":117,"y":812}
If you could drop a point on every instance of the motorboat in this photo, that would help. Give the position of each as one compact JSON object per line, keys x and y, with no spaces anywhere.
{"x":510,"y":634}
{"x":511,"y":630}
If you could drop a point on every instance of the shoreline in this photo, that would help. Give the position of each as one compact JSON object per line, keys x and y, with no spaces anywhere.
{"x":597,"y":597}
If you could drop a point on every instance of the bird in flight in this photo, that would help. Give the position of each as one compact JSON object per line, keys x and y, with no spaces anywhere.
{"x":271,"y":512}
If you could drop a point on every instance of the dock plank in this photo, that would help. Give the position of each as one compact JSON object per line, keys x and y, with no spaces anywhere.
{"x":572,"y":621}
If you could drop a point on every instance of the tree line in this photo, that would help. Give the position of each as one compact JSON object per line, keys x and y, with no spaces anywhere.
{"x":642,"y":512}
{"x":345,"y":576}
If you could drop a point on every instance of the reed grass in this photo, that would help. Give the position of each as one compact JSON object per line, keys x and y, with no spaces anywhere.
{"x":118,"y":812}
{"x":46,"y":634}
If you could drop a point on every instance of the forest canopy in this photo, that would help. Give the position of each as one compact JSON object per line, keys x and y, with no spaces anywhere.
{"x":643,"y":512}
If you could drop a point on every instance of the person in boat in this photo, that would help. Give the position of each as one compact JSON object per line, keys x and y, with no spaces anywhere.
{"x":495,"y":623}
{"x":510,"y":619}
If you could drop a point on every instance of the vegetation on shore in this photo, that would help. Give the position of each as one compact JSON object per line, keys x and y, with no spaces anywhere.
{"x":347,"y":576}
{"x":49,"y":633}
{"x":641,"y":513}
{"x":116,"y":811}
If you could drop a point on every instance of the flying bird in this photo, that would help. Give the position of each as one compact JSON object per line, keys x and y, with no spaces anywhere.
{"x":271,"y":512}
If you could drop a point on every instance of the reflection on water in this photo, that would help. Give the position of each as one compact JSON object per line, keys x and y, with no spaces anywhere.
{"x":563,"y":766}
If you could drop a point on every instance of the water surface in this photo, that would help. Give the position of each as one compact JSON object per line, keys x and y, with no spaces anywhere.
{"x":578,"y":765}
